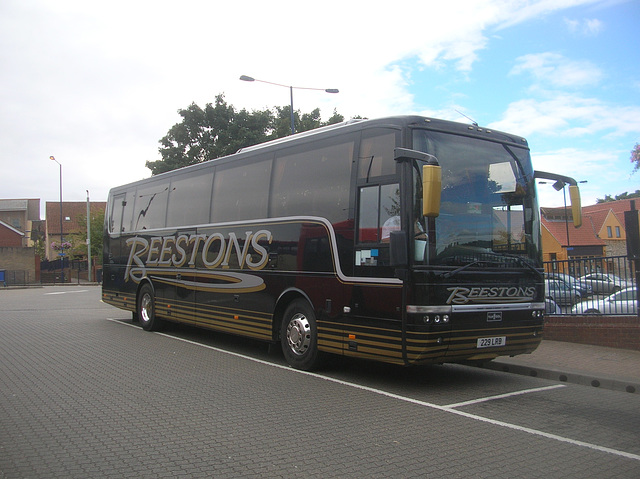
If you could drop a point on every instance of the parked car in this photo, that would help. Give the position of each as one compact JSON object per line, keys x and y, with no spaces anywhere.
{"x":622,"y":302}
{"x":561,"y":292}
{"x":604,"y":283}
{"x":551,"y":307}
{"x":584,"y":288}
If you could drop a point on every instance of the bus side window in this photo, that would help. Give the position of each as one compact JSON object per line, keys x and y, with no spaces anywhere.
{"x":121,"y":212}
{"x":115,"y":213}
{"x":150,"y":208}
{"x":190,"y":199}
{"x":368,"y":222}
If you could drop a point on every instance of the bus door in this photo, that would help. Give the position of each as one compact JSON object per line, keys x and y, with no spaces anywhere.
{"x":377,"y":299}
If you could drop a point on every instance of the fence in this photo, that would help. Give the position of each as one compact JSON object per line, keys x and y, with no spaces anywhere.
{"x":75,"y":271}
{"x":16,"y":278}
{"x":603,"y":285}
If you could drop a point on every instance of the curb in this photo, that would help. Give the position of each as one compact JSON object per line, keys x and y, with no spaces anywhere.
{"x":593,"y":380}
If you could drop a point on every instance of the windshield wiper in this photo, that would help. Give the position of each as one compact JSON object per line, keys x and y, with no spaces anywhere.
{"x":514,"y":257}
{"x":449,"y":274}
{"x":520,"y":260}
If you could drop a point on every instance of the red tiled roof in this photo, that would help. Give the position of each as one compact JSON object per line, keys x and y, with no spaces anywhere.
{"x":618,"y":207}
{"x":597,"y":218}
{"x":584,"y":236}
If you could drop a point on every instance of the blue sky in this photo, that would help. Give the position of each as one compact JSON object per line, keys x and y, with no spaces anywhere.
{"x":97,"y":86}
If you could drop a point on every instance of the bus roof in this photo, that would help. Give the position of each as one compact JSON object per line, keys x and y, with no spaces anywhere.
{"x":399,"y":122}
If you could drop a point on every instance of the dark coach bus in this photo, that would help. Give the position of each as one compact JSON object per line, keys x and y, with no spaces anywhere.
{"x":405,"y":239}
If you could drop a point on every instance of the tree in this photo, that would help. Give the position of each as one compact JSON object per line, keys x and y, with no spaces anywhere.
{"x":219,"y":130}
{"x":621,"y":196}
{"x":79,"y":240}
{"x":635,"y":158}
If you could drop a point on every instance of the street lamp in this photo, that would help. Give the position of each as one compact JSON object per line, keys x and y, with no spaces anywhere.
{"x":559,"y":185}
{"x":61,"y":234}
{"x":293,"y":128}
{"x":88,"y":238}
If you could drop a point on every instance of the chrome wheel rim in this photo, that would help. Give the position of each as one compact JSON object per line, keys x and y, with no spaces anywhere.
{"x":145,"y":308}
{"x":299,"y":334}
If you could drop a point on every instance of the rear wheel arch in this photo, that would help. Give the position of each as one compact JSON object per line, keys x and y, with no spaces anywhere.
{"x":282,"y":303}
{"x":146,"y":306}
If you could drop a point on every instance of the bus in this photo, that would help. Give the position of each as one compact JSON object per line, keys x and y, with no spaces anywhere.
{"x":406,"y":240}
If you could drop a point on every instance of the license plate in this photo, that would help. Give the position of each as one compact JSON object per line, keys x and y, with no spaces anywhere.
{"x":492,"y":342}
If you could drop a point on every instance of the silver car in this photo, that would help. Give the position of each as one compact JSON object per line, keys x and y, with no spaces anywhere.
{"x":604,"y":283}
{"x":622,"y":302}
{"x":584,"y":288}
{"x":561,"y":292}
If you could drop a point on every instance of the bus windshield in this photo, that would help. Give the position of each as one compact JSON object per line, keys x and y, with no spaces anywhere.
{"x":488,"y":212}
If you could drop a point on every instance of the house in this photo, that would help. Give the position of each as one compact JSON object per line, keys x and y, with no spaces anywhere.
{"x":11,"y":237}
{"x":609,"y":219}
{"x":561,"y":240}
{"x":19,"y":223}
{"x":18,"y":218}
{"x":602,"y":235}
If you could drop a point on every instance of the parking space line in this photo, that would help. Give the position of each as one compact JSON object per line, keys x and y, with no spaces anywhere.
{"x":502,"y":396}
{"x":418,"y":402}
{"x":67,"y":292}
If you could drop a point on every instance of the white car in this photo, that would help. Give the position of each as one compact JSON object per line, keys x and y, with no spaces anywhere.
{"x":622,"y":302}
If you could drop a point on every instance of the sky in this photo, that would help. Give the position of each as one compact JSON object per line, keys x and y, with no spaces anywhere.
{"x":98,"y":84}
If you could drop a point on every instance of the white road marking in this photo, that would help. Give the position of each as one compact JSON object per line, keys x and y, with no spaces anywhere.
{"x":68,"y":292}
{"x":448,"y":409}
{"x":502,"y":396}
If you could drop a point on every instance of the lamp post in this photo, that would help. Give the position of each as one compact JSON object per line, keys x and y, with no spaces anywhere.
{"x":88,"y":238}
{"x":61,"y":234}
{"x":560,"y":185}
{"x":291,"y":88}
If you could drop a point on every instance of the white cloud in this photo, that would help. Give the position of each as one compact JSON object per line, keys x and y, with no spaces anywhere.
{"x":569,"y":116}
{"x":556,"y":70}
{"x":596,"y":167}
{"x":587,"y":27}
{"x":98,"y":85}
{"x":525,"y":10}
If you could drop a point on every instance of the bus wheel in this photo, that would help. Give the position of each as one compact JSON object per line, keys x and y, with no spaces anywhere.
{"x":147,"y":309}
{"x":299,"y":336}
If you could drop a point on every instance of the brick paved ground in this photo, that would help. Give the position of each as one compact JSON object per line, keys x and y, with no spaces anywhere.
{"x":81,"y":396}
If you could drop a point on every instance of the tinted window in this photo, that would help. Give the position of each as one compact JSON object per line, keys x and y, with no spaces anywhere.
{"x":150,"y":206}
{"x":313,"y":182}
{"x":379,"y":213}
{"x":115,"y":213}
{"x":190,"y":199}
{"x":376,"y":156}
{"x":240,"y":192}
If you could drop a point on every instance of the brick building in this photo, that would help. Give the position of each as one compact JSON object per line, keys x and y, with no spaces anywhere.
{"x":72,"y":212}
{"x":19,"y":224}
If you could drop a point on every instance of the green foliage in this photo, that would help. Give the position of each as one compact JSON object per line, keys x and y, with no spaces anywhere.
{"x":622,"y":196}
{"x":635,"y":157}
{"x":79,"y":240}
{"x":219,"y":130}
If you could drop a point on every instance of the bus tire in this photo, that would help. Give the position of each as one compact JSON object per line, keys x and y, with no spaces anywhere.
{"x":146,"y":309}
{"x":299,"y":336}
